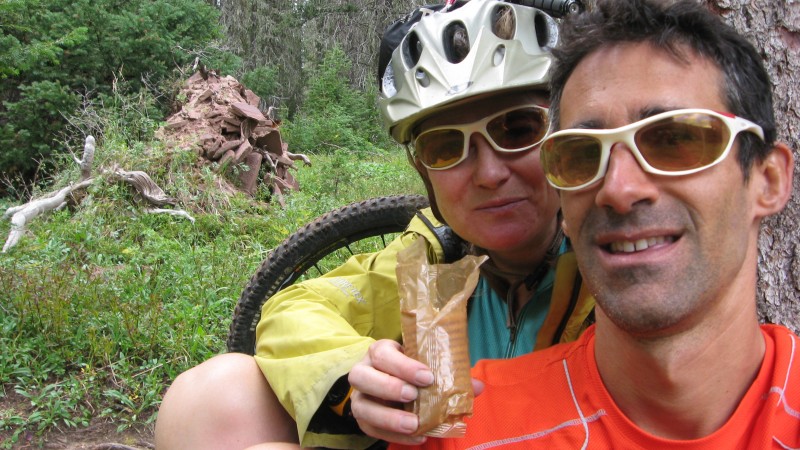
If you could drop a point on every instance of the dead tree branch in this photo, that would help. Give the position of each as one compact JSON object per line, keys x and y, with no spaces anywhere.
{"x":25,"y":213}
{"x":301,"y":156}
{"x":88,"y":158}
{"x":21,"y":215}
{"x":145,"y":186}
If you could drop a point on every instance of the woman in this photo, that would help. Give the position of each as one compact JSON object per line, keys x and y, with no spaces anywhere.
{"x":467,"y":99}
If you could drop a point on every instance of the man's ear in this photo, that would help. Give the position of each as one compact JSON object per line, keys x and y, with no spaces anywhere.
{"x":774,"y":178}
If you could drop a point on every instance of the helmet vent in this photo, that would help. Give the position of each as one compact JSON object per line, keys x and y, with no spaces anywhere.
{"x":456,"y":42}
{"x":412,"y":49}
{"x":546,"y":31}
{"x":422,"y":78}
{"x":387,"y":82}
{"x":504,"y":23}
{"x":499,"y":55}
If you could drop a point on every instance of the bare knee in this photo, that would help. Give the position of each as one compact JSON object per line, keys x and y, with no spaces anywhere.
{"x":224,"y":402}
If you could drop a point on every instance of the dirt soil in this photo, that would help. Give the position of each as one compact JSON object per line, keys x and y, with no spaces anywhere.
{"x":99,"y":436}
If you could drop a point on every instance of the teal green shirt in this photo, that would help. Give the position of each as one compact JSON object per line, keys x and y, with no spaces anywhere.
{"x":489,"y":336}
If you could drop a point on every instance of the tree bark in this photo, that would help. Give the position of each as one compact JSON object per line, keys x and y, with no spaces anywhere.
{"x":774,"y":28}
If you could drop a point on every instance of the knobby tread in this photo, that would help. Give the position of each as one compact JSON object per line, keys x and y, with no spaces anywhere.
{"x":308,"y":245}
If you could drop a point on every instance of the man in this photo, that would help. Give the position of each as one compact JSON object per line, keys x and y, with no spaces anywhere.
{"x":667,"y":164}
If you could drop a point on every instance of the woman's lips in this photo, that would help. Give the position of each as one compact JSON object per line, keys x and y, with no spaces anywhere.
{"x":495,"y":204}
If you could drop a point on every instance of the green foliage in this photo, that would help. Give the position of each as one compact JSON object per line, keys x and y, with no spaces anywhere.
{"x":328,"y":84}
{"x":220,"y":59}
{"x":103,"y":305}
{"x":27,"y":137}
{"x":53,"y":52}
{"x":336,"y":116}
{"x":344,"y":177}
{"x":262,"y":80}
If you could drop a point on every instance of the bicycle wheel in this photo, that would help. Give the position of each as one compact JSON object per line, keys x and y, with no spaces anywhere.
{"x":361,"y":227}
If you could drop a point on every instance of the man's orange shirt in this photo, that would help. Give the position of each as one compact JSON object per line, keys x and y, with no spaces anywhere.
{"x":555,"y":399}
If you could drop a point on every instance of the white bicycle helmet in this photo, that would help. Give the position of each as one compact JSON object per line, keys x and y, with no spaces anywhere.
{"x":453,"y":54}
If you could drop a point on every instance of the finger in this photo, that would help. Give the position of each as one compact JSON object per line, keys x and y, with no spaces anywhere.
{"x":477,"y":386}
{"x":373,"y":382}
{"x":387,"y":356}
{"x":383,"y":421}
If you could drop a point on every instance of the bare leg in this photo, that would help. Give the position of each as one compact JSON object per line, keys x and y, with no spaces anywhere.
{"x":223,"y":403}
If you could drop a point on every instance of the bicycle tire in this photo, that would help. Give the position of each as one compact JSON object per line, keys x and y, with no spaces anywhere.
{"x":303,"y":249}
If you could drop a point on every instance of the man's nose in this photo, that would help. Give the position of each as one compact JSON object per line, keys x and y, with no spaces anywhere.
{"x":625,"y":182}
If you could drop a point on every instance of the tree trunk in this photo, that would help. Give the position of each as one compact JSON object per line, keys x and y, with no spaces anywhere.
{"x":773,"y":26}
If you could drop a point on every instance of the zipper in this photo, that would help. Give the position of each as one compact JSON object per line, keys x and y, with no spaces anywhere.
{"x":513,"y":331}
{"x":512,"y":321}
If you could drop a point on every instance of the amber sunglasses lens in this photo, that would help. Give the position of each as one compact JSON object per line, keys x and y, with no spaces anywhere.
{"x":518,"y":129}
{"x":683,"y":142}
{"x":440,"y":149}
{"x":571,"y":160}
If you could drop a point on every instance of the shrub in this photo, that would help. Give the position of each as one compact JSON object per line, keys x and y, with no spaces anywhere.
{"x":262,"y":80}
{"x":52,"y":52}
{"x":335,"y":116}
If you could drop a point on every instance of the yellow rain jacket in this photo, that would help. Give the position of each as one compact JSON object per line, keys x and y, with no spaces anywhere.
{"x":312,"y":333}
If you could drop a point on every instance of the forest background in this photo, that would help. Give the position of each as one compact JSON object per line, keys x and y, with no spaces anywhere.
{"x":101,"y":305}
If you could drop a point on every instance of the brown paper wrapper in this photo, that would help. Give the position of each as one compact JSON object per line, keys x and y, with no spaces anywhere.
{"x":433,"y":304}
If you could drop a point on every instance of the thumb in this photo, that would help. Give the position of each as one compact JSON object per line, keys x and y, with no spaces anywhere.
{"x":477,"y":386}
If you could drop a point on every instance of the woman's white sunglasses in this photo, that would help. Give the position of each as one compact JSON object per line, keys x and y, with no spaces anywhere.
{"x":511,"y":130}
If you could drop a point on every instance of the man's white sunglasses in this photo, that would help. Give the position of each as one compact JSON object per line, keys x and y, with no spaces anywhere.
{"x":672,"y":143}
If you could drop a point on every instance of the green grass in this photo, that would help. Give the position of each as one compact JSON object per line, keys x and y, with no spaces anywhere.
{"x":102,"y":305}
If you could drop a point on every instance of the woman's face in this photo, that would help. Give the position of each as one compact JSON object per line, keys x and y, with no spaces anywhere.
{"x":498,"y":201}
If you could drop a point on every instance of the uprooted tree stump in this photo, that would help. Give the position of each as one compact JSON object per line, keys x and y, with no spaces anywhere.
{"x":221,"y":121}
